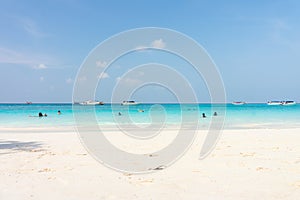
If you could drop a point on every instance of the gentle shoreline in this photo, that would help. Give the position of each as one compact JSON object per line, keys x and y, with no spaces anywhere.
{"x":246,"y":164}
{"x":115,"y":127}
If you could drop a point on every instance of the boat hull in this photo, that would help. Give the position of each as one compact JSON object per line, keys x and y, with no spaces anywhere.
{"x":281,"y":103}
{"x":274,"y":103}
{"x":237,"y":103}
{"x":129,"y":103}
{"x":91,"y":103}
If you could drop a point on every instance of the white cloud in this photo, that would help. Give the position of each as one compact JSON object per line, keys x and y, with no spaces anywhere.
{"x":40,"y":66}
{"x":13,"y":57}
{"x":100,"y":63}
{"x":69,"y":80}
{"x":158,"y":44}
{"x":42,"y":78}
{"x":32,"y":60}
{"x":141,"y":48}
{"x":31,"y":27}
{"x":103,"y":75}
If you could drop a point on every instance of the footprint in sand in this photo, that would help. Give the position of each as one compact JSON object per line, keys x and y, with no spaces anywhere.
{"x":45,"y":170}
{"x":147,"y":180}
{"x":261,"y":169}
{"x":247,"y":154}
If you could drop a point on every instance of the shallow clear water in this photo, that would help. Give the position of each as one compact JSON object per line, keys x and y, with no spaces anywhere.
{"x":242,"y":116}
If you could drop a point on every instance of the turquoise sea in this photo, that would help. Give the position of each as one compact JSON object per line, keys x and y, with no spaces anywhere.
{"x":236,"y":116}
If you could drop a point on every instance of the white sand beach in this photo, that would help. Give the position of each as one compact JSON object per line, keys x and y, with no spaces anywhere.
{"x":160,"y":79}
{"x":246,"y":164}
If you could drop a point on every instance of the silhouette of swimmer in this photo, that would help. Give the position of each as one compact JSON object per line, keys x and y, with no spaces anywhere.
{"x":119,"y":114}
{"x":41,"y":115}
{"x":203,"y":115}
{"x":58,"y":112}
{"x":215,"y":113}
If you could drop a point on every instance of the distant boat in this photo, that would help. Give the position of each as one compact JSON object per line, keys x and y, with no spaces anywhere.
{"x":288,"y":103}
{"x":90,"y":102}
{"x":279,"y":103}
{"x":28,"y":102}
{"x":129,"y":103}
{"x":274,"y":103}
{"x":238,"y":103}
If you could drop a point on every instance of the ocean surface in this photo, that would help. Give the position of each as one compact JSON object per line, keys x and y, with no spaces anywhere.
{"x":235,"y":117}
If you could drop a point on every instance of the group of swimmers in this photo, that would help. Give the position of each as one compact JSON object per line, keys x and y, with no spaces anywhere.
{"x":59,"y":112}
{"x":204,"y":116}
{"x":45,"y":115}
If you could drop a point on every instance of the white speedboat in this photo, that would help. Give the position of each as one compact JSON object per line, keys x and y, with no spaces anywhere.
{"x":274,"y":103}
{"x":238,"y":103}
{"x":90,"y":102}
{"x":129,"y":103}
{"x":288,"y":103}
{"x":283,"y":103}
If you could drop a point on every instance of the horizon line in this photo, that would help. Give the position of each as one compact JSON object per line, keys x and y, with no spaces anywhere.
{"x":138,"y":102}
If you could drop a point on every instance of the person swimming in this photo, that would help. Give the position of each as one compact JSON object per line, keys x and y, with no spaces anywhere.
{"x":39,"y":115}
{"x":203,"y":115}
{"x":215,"y":113}
{"x":58,"y":112}
{"x":119,"y":113}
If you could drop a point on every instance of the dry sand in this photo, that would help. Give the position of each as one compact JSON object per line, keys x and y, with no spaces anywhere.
{"x":246,"y":164}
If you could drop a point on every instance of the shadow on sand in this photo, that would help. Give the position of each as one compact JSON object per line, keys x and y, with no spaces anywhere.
{"x":16,"y":146}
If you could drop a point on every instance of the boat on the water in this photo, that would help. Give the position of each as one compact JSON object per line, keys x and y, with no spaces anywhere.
{"x":129,"y":103}
{"x":274,"y":103}
{"x":238,"y":103}
{"x":28,"y":102}
{"x":281,"y":103}
{"x":288,"y":103}
{"x":90,"y":102}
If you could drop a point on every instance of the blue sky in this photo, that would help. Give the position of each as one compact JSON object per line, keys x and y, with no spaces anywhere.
{"x":255,"y":44}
